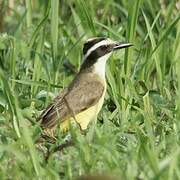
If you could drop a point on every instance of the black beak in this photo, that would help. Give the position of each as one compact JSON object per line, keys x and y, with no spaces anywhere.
{"x":121,"y":46}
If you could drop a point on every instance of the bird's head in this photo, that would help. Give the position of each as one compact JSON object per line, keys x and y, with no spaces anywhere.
{"x":99,"y":49}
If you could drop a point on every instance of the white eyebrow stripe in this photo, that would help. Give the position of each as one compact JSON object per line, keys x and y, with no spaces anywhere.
{"x":101,"y":43}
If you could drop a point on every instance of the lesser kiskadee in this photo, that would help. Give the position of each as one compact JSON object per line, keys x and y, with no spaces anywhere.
{"x":83,"y":99}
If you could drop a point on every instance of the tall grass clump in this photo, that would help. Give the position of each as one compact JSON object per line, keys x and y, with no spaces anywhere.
{"x":137,"y":135}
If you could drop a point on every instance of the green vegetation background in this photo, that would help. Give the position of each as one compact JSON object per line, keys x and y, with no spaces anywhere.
{"x":138,"y":132}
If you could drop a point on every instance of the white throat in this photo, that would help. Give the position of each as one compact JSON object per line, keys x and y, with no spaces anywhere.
{"x":100,"y":66}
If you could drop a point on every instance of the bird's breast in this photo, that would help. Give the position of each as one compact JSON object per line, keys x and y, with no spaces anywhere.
{"x":84,"y":118}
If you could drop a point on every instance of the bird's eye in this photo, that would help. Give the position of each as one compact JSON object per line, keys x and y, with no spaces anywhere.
{"x":104,"y":47}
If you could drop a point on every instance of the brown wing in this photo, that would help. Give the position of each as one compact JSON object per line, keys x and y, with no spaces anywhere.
{"x":49,"y":115}
{"x":83,"y":93}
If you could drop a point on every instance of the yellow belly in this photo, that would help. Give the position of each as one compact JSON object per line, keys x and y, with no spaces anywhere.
{"x":85,"y":117}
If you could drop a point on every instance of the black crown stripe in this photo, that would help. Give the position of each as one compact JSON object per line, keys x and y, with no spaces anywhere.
{"x":91,"y":43}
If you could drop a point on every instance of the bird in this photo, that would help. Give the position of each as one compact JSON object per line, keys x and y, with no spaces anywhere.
{"x":82,"y":100}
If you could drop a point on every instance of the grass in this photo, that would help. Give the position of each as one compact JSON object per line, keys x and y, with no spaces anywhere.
{"x":138,"y":132}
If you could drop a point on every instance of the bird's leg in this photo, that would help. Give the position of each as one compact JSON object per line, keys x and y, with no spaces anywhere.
{"x":64,"y":145}
{"x":59,"y":148}
{"x":83,"y":131}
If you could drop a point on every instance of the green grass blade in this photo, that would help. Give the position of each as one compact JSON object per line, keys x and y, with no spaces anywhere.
{"x":166,"y":33}
{"x":29,"y":13}
{"x":86,"y":16}
{"x":54,"y":29}
{"x":39,"y":27}
{"x":131,"y":29}
{"x":11,"y":102}
{"x":37,"y":64}
{"x":153,"y":44}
